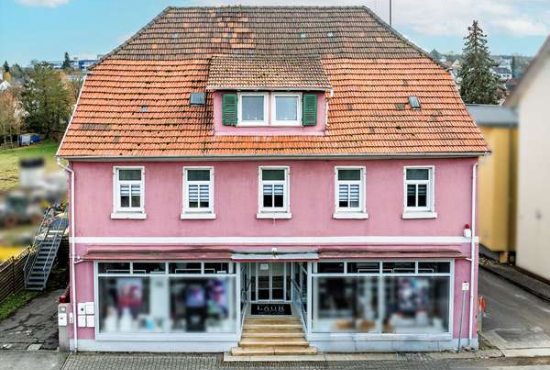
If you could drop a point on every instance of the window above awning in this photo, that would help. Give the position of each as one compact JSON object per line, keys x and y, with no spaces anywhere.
{"x":243,"y":72}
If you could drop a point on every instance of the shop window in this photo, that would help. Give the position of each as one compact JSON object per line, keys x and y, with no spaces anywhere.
{"x":330,"y":267}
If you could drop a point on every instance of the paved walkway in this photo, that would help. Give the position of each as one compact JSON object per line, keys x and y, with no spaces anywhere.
{"x":34,"y":325}
{"x":516,"y":277}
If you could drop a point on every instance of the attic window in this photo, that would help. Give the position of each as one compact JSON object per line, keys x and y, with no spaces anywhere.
{"x":330,"y":34}
{"x":197,"y":99}
{"x":414,"y":102}
{"x":303,"y":35}
{"x":175,"y":35}
{"x":144,"y":108}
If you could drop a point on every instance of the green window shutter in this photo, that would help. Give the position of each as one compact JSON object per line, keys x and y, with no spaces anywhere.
{"x":229,"y":110}
{"x":309,"y":110}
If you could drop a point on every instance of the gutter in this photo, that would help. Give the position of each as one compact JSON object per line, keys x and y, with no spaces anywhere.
{"x":234,"y":157}
{"x":72,"y":254}
{"x":473,"y":260}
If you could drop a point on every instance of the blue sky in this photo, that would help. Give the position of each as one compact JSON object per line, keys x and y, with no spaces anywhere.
{"x":45,"y":29}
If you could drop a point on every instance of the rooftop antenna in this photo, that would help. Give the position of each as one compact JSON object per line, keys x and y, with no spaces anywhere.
{"x":390,"y":12}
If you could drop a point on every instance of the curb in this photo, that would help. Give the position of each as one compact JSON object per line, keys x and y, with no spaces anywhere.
{"x":516,"y":283}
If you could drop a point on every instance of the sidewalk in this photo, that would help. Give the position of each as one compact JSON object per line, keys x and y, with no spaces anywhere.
{"x":509,"y":273}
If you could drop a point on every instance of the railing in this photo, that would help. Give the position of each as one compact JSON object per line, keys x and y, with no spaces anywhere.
{"x":244,"y":298}
{"x":38,"y":238}
{"x":299,"y":302}
{"x":58,"y":225}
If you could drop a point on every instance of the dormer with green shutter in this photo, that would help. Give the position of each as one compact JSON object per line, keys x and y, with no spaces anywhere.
{"x":280,"y":94}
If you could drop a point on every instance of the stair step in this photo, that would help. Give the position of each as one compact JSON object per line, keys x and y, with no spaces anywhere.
{"x":267,"y":351}
{"x":282,"y":335}
{"x":254,"y":342}
{"x":270,"y":326}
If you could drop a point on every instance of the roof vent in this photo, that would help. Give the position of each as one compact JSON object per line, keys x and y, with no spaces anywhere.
{"x":198,"y":99}
{"x":330,"y":34}
{"x":414,"y":102}
{"x":175,"y":35}
{"x":144,"y":108}
{"x":303,"y":35}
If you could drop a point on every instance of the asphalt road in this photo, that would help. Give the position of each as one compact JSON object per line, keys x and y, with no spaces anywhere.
{"x":515,"y":319}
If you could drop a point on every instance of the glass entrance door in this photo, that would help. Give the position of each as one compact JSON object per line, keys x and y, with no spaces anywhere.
{"x":269,"y":281}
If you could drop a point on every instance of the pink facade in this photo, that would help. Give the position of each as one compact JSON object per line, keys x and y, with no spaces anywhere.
{"x":311,"y":205}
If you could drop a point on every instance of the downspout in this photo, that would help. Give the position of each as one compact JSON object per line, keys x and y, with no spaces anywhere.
{"x":72,"y":256}
{"x":473,"y":259}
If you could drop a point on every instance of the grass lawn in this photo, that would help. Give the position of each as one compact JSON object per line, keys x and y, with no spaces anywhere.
{"x":14,"y":302}
{"x":9,"y":162}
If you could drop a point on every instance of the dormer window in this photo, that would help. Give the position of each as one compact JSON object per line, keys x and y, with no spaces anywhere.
{"x":269,"y":109}
{"x":286,"y":109}
{"x":252,"y":109}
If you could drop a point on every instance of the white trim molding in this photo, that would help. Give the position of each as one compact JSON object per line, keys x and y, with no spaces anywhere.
{"x":350,"y":216}
{"x":418,"y":215}
{"x":253,"y":240}
{"x":128,"y":216}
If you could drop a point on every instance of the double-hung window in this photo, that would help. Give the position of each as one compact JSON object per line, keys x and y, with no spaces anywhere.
{"x":129,"y":191}
{"x":274,"y":192}
{"x":350,"y":192}
{"x":419,"y":192}
{"x":198,"y":189}
{"x":252,"y":109}
{"x":286,"y":109}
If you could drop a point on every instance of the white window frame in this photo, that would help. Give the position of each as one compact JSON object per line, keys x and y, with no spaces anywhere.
{"x":240,"y":122}
{"x":271,"y":212}
{"x":128,"y":212}
{"x":420,"y":212}
{"x":348,"y":212}
{"x":274,"y":121}
{"x":198,"y":213}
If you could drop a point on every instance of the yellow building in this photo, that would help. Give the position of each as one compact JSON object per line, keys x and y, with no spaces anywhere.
{"x":497,"y":181}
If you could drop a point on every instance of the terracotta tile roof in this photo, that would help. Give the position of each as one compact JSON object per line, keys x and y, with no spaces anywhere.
{"x":136,"y":101}
{"x":235,"y":72}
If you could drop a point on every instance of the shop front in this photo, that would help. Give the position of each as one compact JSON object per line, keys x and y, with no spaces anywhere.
{"x":344,"y":305}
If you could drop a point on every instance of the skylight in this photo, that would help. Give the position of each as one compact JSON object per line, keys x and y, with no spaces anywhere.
{"x":414,"y":102}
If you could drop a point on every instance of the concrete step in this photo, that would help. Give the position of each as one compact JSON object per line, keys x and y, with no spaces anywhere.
{"x":270,"y":351}
{"x":282,"y":335}
{"x":272,"y":319}
{"x":255,"y":342}
{"x":267,"y":327}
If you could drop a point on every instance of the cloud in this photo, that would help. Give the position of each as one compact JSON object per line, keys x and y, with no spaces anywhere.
{"x":43,"y":3}
{"x":515,"y":18}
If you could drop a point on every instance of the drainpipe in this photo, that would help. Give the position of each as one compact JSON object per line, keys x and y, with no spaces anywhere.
{"x":73,"y":251}
{"x":473,"y":259}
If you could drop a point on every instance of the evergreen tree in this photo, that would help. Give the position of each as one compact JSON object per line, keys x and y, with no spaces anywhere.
{"x":436,"y":55}
{"x":479,"y":85}
{"x":6,"y":66}
{"x":66,"y":62}
{"x":46,"y":101}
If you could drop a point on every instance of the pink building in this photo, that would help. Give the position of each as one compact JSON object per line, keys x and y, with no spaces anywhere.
{"x":306,"y":161}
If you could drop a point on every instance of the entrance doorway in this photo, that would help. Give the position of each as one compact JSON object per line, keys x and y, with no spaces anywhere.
{"x":270,"y":281}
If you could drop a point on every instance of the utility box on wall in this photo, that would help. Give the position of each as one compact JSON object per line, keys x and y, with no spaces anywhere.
{"x":63,"y":326}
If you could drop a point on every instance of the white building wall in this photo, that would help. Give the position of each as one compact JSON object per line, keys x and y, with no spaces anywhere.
{"x":533,"y":240}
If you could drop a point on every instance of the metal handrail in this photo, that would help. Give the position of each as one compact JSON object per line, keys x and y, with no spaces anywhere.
{"x":60,"y":228}
{"x":33,"y":250}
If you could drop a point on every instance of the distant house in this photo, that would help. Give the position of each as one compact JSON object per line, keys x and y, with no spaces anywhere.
{"x":503,"y":73}
{"x":530,"y":99}
{"x":497,"y":180}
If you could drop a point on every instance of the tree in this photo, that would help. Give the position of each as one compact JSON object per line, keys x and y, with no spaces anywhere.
{"x":479,"y":85}
{"x":66,"y":62}
{"x":436,"y":55}
{"x":10,"y":116}
{"x":46,"y":101}
{"x":6,"y":66}
{"x":74,"y":84}
{"x":6,"y":75}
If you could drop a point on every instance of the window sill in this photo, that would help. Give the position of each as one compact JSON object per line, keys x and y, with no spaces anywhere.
{"x":198,"y":216}
{"x":350,"y":216}
{"x":418,"y":215}
{"x":274,"y":215}
{"x":128,"y":216}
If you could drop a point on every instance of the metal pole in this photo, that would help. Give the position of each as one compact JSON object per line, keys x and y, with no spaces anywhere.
{"x":461,"y":319}
{"x":390,"y":12}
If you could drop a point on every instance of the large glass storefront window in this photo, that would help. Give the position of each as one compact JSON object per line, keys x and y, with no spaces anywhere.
{"x":398,"y":298}
{"x":145,"y":298}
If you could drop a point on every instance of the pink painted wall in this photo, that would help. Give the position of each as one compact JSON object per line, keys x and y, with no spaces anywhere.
{"x":319,"y":129}
{"x":311,"y":200}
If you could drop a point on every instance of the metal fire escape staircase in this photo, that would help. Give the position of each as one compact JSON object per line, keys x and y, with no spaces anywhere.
{"x":44,"y":249}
